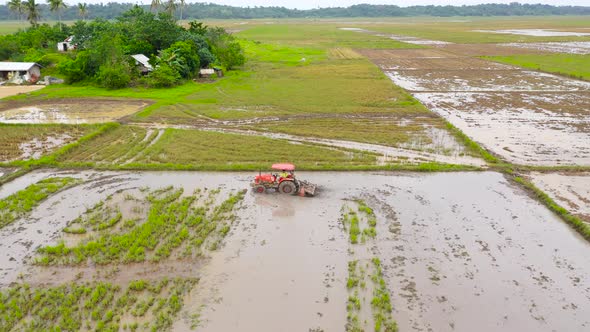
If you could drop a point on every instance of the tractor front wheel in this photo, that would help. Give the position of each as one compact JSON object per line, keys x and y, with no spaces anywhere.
{"x":259,"y":189}
{"x":287,"y":187}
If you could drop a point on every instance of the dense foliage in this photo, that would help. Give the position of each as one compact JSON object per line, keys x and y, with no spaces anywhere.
{"x":112,"y":10}
{"x":103,"y":49}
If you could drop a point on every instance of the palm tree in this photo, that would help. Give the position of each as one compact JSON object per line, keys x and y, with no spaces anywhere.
{"x":17,"y":6}
{"x":155,"y":5}
{"x":83,"y":10}
{"x":182,"y":2}
{"x":171,"y":7}
{"x":32,"y":11}
{"x":57,"y":6}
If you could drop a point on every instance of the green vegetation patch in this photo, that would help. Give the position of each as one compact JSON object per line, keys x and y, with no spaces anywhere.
{"x":22,"y":202}
{"x":14,"y":136}
{"x":572,"y":65}
{"x":366,"y":287}
{"x":174,"y":224}
{"x":98,"y":306}
{"x":359,"y":222}
{"x":213,"y":149}
{"x":119,"y":143}
{"x":391,"y":130}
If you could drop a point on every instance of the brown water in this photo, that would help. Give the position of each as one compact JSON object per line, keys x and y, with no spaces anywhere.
{"x":460,"y":251}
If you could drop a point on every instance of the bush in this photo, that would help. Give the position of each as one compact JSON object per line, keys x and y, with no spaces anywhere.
{"x":163,"y":76}
{"x":114,"y":76}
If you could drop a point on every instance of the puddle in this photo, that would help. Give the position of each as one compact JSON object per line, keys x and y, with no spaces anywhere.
{"x":555,"y":47}
{"x":571,"y":191}
{"x":537,"y":32}
{"x":35,"y":148}
{"x":449,"y":243}
{"x":72,"y":113}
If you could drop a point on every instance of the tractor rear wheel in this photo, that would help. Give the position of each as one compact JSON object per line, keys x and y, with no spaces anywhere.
{"x":259,"y":189}
{"x":287,"y":187}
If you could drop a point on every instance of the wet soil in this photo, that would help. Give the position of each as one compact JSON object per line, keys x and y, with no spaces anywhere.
{"x":69,"y":111}
{"x":569,"y":190}
{"x":450,"y":244}
{"x":555,"y":47}
{"x":526,"y":117}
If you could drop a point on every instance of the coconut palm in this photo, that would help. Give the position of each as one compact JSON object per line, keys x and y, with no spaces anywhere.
{"x":17,"y":6}
{"x":57,"y":6}
{"x":83,"y":10}
{"x":170,"y":7}
{"x":182,"y":3}
{"x":32,"y":11}
{"x":155,"y":5}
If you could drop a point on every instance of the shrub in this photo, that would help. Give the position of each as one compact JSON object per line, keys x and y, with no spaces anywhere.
{"x":114,"y":76}
{"x":163,"y":76}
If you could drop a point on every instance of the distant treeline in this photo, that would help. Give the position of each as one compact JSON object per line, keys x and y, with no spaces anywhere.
{"x":209,"y":10}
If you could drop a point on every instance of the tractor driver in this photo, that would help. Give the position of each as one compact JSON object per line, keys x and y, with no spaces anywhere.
{"x":284,"y":174}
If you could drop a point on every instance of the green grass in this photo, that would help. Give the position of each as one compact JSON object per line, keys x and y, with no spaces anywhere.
{"x":202,"y":148}
{"x":99,"y":306}
{"x":174,"y":224}
{"x":576,"y":223}
{"x":119,"y":142}
{"x":22,"y":202}
{"x":572,"y":65}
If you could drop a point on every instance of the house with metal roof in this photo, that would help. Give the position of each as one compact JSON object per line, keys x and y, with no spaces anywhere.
{"x":143,"y":63}
{"x":20,"y":72}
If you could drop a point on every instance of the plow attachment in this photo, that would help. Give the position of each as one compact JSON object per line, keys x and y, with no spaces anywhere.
{"x":307,"y":188}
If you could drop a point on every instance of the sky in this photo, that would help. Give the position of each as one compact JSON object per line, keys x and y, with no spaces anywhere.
{"x":307,"y":4}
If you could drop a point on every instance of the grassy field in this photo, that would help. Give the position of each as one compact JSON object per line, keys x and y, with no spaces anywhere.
{"x":573,"y":65}
{"x":212,"y":150}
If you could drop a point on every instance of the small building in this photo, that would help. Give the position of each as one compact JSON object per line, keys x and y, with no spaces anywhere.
{"x":66,"y":45}
{"x":218,"y":71}
{"x":206,"y":73}
{"x":143,"y":63}
{"x":20,"y":72}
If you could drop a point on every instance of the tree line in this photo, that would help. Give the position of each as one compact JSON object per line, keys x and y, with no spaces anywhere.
{"x":103,"y":48}
{"x":57,"y":10}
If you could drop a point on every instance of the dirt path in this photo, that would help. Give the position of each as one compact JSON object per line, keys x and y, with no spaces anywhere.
{"x":450,"y":244}
{"x":6,"y":91}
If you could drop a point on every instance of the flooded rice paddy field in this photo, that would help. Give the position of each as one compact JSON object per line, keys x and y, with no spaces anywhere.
{"x":569,"y":190}
{"x":525,"y":117}
{"x":449,"y":245}
{"x":71,"y":112}
{"x":555,"y":47}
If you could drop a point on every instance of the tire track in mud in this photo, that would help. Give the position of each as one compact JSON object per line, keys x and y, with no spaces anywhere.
{"x":148,"y":143}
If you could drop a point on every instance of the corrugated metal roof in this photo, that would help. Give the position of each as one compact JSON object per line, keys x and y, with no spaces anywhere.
{"x":16,"y":66}
{"x":144,"y":60}
{"x":207,"y":72}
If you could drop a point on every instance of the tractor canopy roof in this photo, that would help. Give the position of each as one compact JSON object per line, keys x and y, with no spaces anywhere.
{"x":283,"y":167}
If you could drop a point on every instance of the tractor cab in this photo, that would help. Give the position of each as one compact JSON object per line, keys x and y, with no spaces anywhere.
{"x":282,"y":180}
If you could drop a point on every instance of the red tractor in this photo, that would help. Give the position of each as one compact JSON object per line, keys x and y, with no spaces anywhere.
{"x":283,"y":182}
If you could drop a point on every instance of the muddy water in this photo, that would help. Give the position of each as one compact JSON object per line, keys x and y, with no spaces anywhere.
{"x":450,"y":244}
{"x":537,"y":32}
{"x":71,"y":113}
{"x":531,"y":129}
{"x":525,"y":117}
{"x":555,"y":47}
{"x":571,"y":191}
